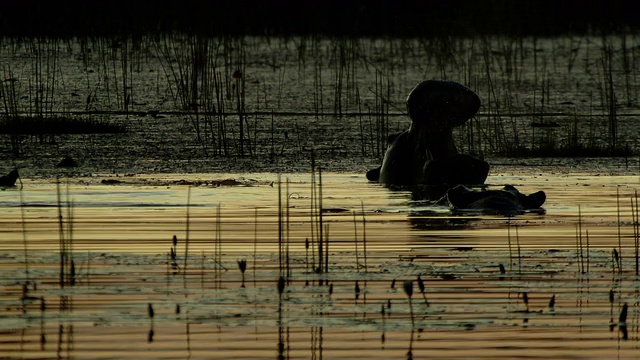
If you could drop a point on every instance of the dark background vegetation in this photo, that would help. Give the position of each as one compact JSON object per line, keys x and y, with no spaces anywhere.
{"x":66,"y":18}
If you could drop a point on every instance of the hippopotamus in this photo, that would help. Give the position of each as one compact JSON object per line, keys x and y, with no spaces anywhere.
{"x":426,"y":153}
{"x":9,"y":179}
{"x":507,"y":200}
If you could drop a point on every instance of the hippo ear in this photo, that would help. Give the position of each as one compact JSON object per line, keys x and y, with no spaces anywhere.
{"x":374,"y":174}
{"x":510,"y":188}
{"x":458,"y":196}
{"x":535,"y":200}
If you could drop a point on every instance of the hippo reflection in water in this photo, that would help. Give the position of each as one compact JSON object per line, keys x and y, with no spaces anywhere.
{"x":426,"y":154}
{"x":425,"y":158}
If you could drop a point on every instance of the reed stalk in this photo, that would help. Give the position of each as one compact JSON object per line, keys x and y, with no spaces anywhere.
{"x":518,"y":248}
{"x":186,"y":235}
{"x":24,"y":238}
{"x":509,"y":243}
{"x":423,"y":290}
{"x":287,"y":239}
{"x":321,"y":261}
{"x":326,"y":249}
{"x":580,"y":242}
{"x":408,"y":290}
{"x":364,"y":237}
{"x":619,"y":225}
{"x":255,"y":245}
{"x":634,"y":222}
{"x":280,"y":240}
{"x":355,"y":242}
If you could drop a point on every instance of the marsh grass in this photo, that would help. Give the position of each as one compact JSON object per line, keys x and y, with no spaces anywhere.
{"x":221,"y":87}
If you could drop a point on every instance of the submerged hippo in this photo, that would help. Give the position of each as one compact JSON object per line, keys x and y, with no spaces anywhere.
{"x":507,"y":200}
{"x":426,"y":153}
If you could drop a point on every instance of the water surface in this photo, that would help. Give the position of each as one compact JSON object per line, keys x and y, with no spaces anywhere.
{"x":122,"y":235}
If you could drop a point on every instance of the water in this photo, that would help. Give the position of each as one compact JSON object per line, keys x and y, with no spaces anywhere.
{"x":338,"y":98}
{"x":122,"y":237}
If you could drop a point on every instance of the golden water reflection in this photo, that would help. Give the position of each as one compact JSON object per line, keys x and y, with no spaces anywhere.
{"x":488,"y":280}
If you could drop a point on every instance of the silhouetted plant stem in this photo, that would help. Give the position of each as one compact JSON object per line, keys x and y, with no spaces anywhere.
{"x":364,"y":237}
{"x":62,"y":245}
{"x":518,"y":248}
{"x":287,"y":247}
{"x":509,"y":243}
{"x":242,"y":265}
{"x":423,"y":290}
{"x":326,"y":250}
{"x":321,"y":261}
{"x":280,"y":267}
{"x":619,"y":225}
{"x":634,"y":221}
{"x":312,"y":213}
{"x":408,"y":289}
{"x":355,"y":241}
{"x":24,"y":238}
{"x":255,"y":245}
{"x":186,"y":241}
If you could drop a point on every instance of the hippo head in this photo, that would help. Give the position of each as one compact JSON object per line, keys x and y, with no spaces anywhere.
{"x":426,"y":153}
{"x":507,"y":200}
{"x":437,"y":104}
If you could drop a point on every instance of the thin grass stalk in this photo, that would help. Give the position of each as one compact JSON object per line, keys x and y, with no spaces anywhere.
{"x":202,"y":270}
{"x":306,"y":254}
{"x":280,"y":227}
{"x":355,"y":241}
{"x":580,"y":242}
{"x":637,"y":234}
{"x":219,"y":246}
{"x":24,"y":238}
{"x":273,"y":141}
{"x":126,"y":97}
{"x":88,"y":269}
{"x":287,"y":240}
{"x":312,"y":212}
{"x":634,"y":221}
{"x":408,"y":289}
{"x":578,"y":250}
{"x":255,"y":245}
{"x":216,"y":268}
{"x":62,"y":241}
{"x":518,"y":248}
{"x":320,"y":223}
{"x":186,"y":235}
{"x":509,"y":243}
{"x":364,"y":237}
{"x":71,"y":270}
{"x":588,"y":249}
{"x":619,"y":229}
{"x":326,"y":250}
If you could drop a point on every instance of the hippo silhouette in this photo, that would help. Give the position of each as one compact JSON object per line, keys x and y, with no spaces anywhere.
{"x":9,"y":179}
{"x":67,"y":162}
{"x":426,"y":153}
{"x":507,"y":200}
